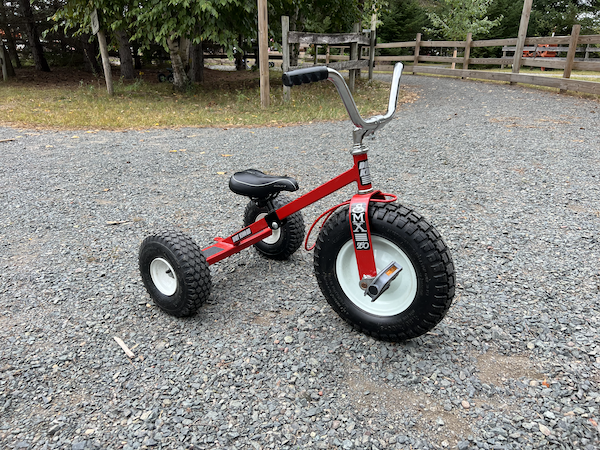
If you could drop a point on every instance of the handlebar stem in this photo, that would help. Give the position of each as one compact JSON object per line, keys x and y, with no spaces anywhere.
{"x":366,"y":127}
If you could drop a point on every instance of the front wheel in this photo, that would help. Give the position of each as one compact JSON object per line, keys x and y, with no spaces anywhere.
{"x":175,"y":273}
{"x":416,"y":301}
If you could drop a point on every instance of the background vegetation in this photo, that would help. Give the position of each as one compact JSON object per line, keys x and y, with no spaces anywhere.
{"x":45,"y":36}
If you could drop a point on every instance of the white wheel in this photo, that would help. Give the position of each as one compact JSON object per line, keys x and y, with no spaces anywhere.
{"x":163,"y":276}
{"x":283,"y":241}
{"x":401,"y":292}
{"x":175,"y":272}
{"x":416,"y":300}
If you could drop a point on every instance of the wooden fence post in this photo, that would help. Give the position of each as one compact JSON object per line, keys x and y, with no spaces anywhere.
{"x":372,"y":43}
{"x":353,"y":56}
{"x":521,"y":37}
{"x":571,"y":52}
{"x":468,"y":44}
{"x":417,"y":51}
{"x":263,"y":53}
{"x":105,"y":62}
{"x":285,"y":53}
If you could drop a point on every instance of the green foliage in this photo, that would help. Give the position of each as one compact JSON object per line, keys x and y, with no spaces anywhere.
{"x":454,"y":19}
{"x":403,"y":21}
{"x":559,"y":16}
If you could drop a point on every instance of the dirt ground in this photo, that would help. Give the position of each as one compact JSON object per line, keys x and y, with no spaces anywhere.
{"x":70,"y":76}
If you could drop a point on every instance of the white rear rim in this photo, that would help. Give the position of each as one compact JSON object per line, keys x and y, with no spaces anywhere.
{"x":401,"y":292}
{"x":276,"y":234}
{"x":163,"y":276}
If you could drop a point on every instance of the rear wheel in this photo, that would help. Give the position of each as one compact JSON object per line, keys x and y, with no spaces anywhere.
{"x":284,"y":241}
{"x":416,"y":301}
{"x":175,"y":273}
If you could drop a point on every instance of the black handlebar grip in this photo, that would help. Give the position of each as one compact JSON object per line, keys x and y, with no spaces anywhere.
{"x":309,"y":75}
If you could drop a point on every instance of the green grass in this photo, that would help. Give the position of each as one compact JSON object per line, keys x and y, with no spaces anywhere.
{"x":142,"y":104}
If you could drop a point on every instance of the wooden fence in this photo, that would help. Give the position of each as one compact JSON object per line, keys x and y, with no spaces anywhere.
{"x":571,"y":45}
{"x":354,"y":40}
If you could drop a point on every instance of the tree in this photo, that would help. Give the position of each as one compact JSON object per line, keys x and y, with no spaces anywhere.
{"x":454,"y":19}
{"x":76,"y":15}
{"x":559,"y":16}
{"x":6,"y":28}
{"x":169,"y":23}
{"x":402,"y":21}
{"x":34,"y":38}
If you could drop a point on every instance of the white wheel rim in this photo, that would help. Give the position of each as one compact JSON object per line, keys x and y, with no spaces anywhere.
{"x":275,"y":234}
{"x":401,"y":292}
{"x":163,"y":276}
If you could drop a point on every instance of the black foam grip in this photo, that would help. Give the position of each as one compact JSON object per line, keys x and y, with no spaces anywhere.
{"x":309,"y":75}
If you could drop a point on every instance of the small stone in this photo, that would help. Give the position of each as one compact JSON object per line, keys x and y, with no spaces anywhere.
{"x":288,"y":339}
{"x":545,"y":430}
{"x":465,"y":404}
{"x":530,"y":345}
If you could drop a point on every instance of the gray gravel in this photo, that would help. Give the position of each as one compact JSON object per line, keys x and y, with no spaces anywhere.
{"x":510,"y":176}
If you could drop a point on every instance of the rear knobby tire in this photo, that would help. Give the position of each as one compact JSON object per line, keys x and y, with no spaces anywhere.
{"x":175,"y":273}
{"x":416,"y":301}
{"x":286,"y":239}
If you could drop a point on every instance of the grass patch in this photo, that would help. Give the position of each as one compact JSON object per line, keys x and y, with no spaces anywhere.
{"x":146,"y":104}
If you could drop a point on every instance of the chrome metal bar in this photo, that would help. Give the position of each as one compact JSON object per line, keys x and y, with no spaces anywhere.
{"x":369,"y":126}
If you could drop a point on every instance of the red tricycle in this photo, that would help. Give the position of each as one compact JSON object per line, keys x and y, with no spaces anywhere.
{"x":381,"y":266}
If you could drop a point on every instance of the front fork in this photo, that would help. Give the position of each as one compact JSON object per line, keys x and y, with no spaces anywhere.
{"x":374,"y":284}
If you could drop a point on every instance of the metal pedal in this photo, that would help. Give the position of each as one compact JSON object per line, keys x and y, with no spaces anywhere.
{"x":383,"y":280}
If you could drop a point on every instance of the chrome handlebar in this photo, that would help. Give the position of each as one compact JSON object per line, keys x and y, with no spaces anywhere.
{"x":362,"y":127}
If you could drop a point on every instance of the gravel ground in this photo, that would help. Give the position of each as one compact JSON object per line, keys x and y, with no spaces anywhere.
{"x":510,"y":177}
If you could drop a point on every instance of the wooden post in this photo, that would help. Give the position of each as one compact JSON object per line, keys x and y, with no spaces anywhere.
{"x":372,"y":43}
{"x":316,"y":61}
{"x":417,"y":51}
{"x":105,"y":62}
{"x":285,"y":53}
{"x":521,"y":37}
{"x":327,"y":53}
{"x":503,"y":56}
{"x":263,"y":53}
{"x":571,"y":52}
{"x":454,"y":54}
{"x":587,"y":52}
{"x":467,"y":52}
{"x":353,"y":56}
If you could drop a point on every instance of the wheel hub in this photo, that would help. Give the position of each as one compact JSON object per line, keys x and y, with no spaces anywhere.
{"x":163,"y":276}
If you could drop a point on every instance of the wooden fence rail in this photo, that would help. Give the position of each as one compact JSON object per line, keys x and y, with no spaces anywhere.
{"x":565,"y":44}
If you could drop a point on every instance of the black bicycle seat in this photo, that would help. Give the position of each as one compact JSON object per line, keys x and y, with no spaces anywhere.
{"x":255,"y":184}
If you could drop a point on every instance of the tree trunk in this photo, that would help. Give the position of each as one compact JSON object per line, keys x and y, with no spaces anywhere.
{"x":197,"y":69}
{"x":127,"y":71}
{"x":180,"y":78}
{"x":240,"y":64}
{"x":8,"y":34}
{"x":34,"y":41}
{"x":136,"y":57}
{"x":8,"y":70}
{"x":91,"y":52}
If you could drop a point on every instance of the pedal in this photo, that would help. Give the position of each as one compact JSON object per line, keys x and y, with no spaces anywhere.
{"x":382,"y":281}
